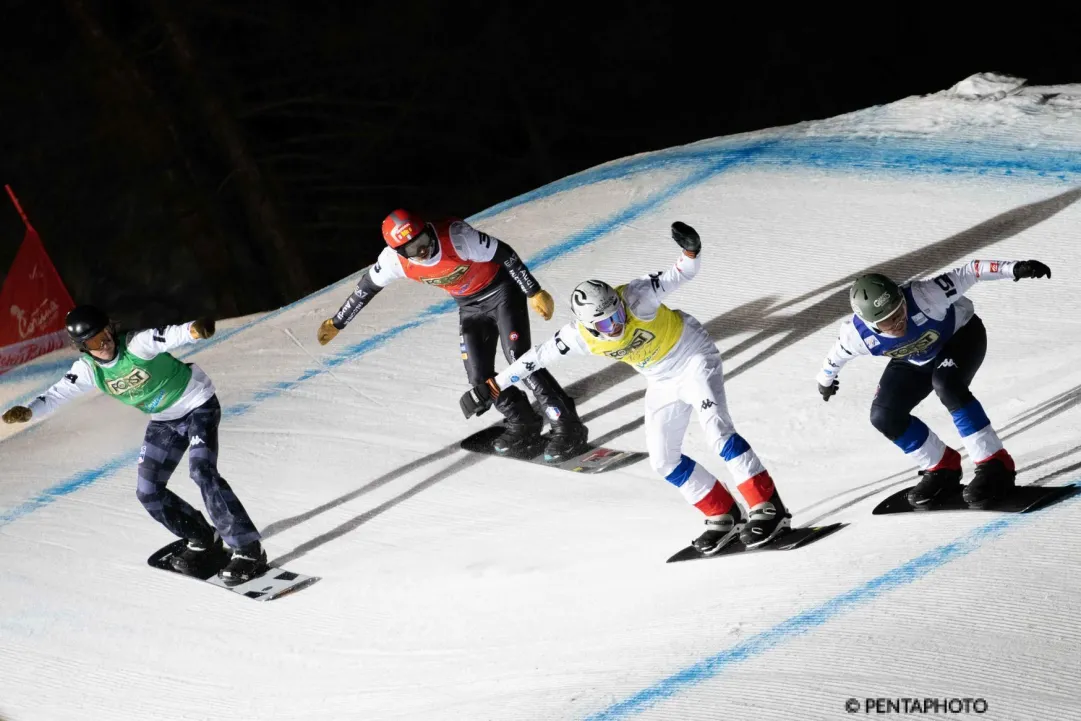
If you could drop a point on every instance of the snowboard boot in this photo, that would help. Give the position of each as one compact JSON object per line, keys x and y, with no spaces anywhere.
{"x":198,"y":555}
{"x":765,"y":522}
{"x":720,"y":531}
{"x":567,"y":439}
{"x":994,"y":478}
{"x":518,"y":438}
{"x":943,"y":479}
{"x":247,"y":562}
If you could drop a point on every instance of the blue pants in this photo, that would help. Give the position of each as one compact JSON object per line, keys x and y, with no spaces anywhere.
{"x":163,"y":447}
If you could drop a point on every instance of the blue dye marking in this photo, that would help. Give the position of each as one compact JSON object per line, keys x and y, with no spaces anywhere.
{"x":812,"y":619}
{"x":706,"y":161}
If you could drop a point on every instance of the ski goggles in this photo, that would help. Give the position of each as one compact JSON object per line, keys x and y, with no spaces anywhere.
{"x":613,"y":324}
{"x":98,"y":342}
{"x":894,"y":321}
{"x":422,"y":245}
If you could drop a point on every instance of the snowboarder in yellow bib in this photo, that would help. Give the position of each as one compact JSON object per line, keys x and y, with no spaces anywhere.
{"x":682,"y":366}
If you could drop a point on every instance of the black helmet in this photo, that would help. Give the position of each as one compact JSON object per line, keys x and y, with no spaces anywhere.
{"x":84,"y":322}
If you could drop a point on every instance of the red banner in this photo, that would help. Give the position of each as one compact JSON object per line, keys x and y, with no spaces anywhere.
{"x":33,"y":303}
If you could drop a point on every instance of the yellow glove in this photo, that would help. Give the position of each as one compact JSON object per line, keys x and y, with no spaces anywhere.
{"x":17,"y":414}
{"x":542,"y":304}
{"x":202,"y":328}
{"x":327,"y":331}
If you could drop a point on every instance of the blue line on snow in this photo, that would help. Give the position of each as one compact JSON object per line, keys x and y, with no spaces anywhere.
{"x":706,"y":160}
{"x":813,"y":618}
{"x":919,"y":156}
{"x":356,"y":350}
{"x":59,"y":366}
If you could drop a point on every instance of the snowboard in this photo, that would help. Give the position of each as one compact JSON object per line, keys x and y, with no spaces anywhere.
{"x":785,"y":541}
{"x":274,"y":583}
{"x":1023,"y":500}
{"x":592,"y":459}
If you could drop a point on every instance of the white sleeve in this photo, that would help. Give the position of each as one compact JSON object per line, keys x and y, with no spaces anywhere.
{"x":148,"y":343}
{"x":644,"y":295}
{"x":472,"y":244}
{"x":566,"y":341}
{"x":849,"y":344}
{"x":387,"y":268}
{"x":937,"y":294}
{"x":75,"y":382}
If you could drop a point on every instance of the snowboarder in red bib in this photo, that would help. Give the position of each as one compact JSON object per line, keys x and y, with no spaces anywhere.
{"x":138,"y":369}
{"x":492,"y":286}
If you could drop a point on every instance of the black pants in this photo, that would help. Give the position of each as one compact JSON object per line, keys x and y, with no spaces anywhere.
{"x":500,"y":315}
{"x":163,"y":447}
{"x":903,"y":385}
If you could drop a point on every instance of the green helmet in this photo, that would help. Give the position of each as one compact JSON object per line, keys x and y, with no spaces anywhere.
{"x":874,"y":296}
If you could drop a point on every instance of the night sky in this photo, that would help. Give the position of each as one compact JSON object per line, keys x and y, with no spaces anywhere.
{"x":181,"y":158}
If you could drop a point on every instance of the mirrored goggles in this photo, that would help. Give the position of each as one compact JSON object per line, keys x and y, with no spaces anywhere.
{"x":613,"y":324}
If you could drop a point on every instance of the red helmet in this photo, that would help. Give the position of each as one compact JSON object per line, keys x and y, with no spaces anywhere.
{"x":410,"y":236}
{"x":400,"y":226}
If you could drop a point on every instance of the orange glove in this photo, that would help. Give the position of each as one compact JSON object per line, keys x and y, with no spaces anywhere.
{"x":202,"y":328}
{"x":327,"y":331}
{"x":17,"y":414}
{"x":542,"y":304}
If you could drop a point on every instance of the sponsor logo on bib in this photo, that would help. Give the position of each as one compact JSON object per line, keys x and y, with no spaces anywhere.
{"x":125,"y":384}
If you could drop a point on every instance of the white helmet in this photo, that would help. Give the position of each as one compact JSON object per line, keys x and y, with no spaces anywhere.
{"x":599,"y":308}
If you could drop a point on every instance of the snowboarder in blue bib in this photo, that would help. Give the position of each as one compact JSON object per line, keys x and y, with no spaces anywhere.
{"x":935,"y":341}
{"x":184,"y":411}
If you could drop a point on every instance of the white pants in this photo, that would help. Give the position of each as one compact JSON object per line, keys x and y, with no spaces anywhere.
{"x":699,"y":386}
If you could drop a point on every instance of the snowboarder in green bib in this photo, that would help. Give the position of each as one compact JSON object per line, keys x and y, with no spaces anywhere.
{"x":184,"y":411}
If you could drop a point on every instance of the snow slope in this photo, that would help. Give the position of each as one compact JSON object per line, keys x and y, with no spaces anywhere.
{"x":463,"y":587}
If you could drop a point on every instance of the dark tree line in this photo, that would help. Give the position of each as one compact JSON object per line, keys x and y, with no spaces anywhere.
{"x":229,"y":157}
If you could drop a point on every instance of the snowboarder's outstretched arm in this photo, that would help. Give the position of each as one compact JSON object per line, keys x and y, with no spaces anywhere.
{"x":151,"y":342}
{"x":566,"y":341}
{"x":644,"y":295}
{"x":946,"y":289}
{"x":387,"y":269}
{"x":75,"y":382}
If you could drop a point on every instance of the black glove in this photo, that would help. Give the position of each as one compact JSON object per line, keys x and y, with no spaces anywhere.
{"x":829,"y":390}
{"x":1030,"y":269}
{"x":478,"y":399}
{"x":686,"y":237}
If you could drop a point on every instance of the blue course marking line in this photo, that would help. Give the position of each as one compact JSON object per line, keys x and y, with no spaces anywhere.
{"x":582,"y":238}
{"x":813,"y":618}
{"x":706,"y":160}
{"x":574,"y":242}
{"x":924,"y":157}
{"x":69,"y":486}
{"x":55,"y":368}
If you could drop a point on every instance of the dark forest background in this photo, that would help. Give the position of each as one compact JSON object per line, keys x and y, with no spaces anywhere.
{"x":181,"y":158}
